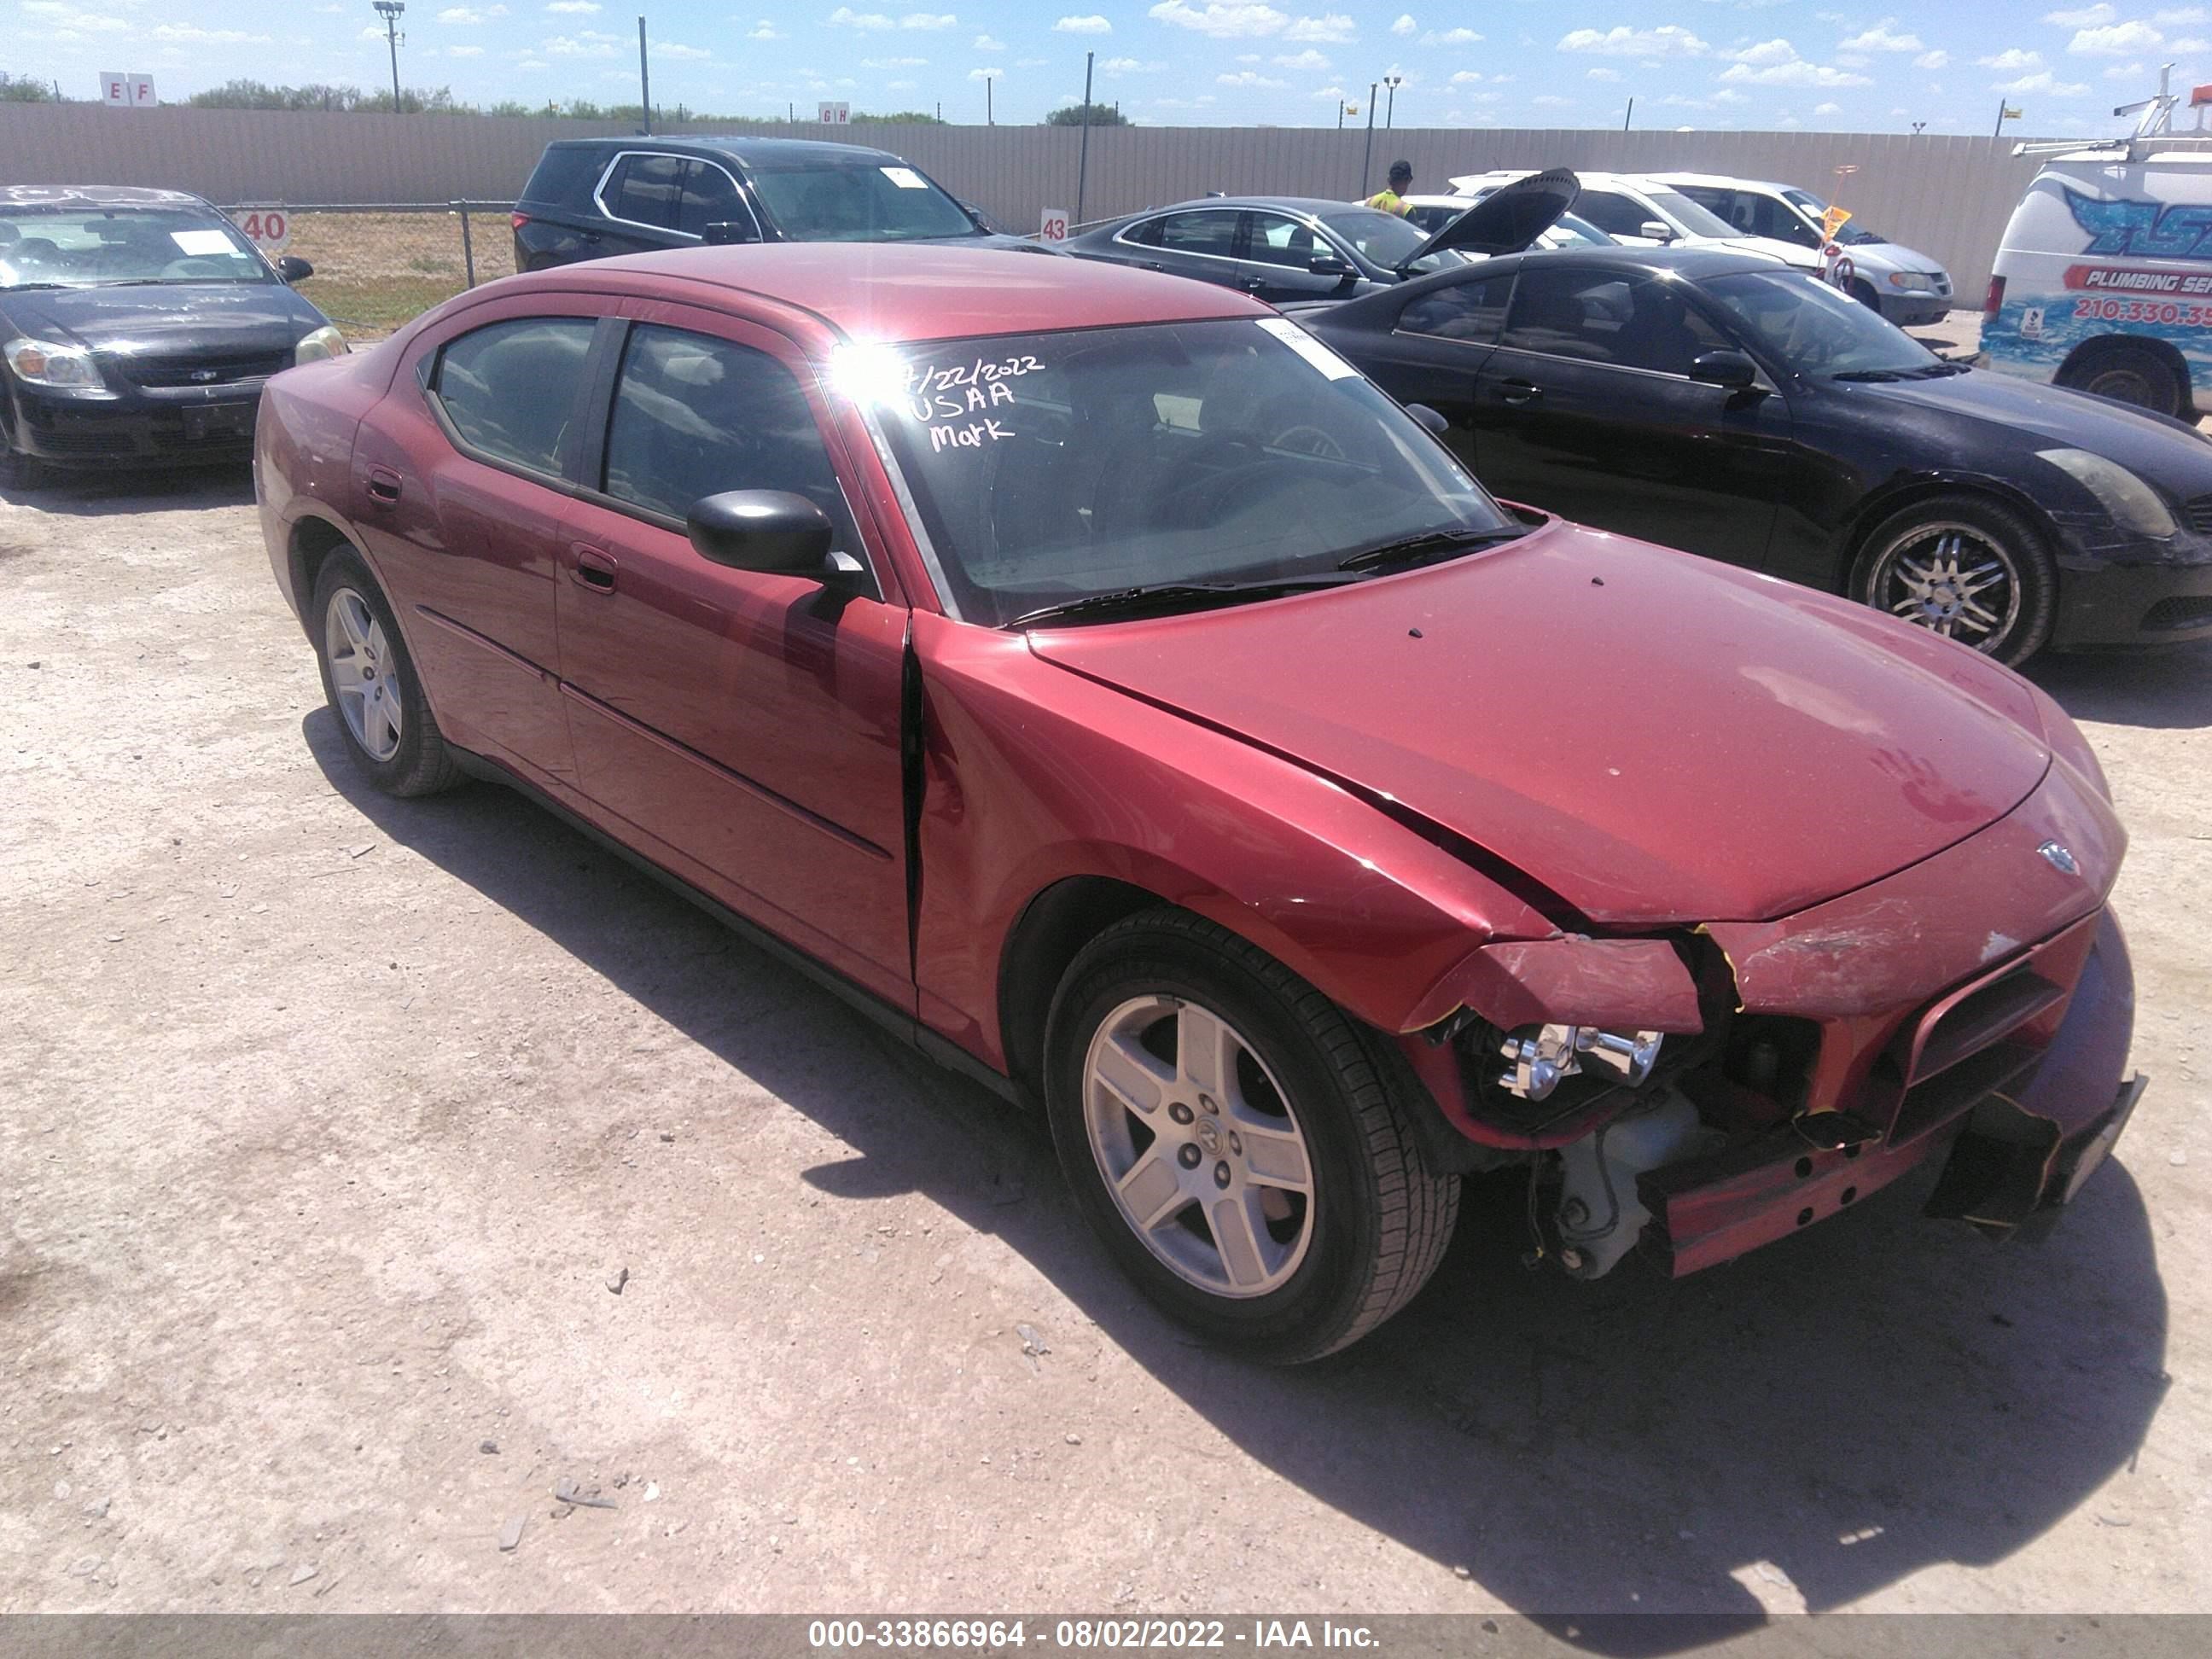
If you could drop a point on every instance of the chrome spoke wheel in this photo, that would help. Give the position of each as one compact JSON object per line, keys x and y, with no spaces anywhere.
{"x":1952,"y":579}
{"x":1199,"y":1146}
{"x":361,"y":674}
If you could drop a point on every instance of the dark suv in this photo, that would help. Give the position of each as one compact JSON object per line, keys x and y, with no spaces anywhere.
{"x":591,"y":198}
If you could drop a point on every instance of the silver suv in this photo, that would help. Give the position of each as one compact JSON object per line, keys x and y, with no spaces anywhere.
{"x":1909,"y":288}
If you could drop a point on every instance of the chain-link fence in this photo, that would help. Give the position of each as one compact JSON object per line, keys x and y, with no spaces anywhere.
{"x":378,"y":267}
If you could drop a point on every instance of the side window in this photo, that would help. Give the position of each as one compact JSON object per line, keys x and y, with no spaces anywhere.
{"x":1470,"y":311}
{"x":1616,"y":215}
{"x":709,"y":196}
{"x":1277,"y":240}
{"x":1144,"y":233}
{"x":1597,"y":318}
{"x":647,"y":190}
{"x":510,"y":388}
{"x":1774,"y":219}
{"x":1209,"y":230}
{"x":694,"y":416}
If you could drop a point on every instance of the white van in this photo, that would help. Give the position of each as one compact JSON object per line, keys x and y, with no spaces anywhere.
{"x":2104,"y":278}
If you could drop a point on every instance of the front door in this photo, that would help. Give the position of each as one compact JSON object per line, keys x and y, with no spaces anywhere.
{"x":747,"y":723}
{"x":1279,"y":252}
{"x":1586,"y":409}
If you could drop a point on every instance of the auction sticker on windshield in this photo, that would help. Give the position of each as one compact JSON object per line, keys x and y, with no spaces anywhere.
{"x":906,"y":178}
{"x":1308,"y":348}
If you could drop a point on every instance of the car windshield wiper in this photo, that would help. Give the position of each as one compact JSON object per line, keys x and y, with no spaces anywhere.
{"x":1165,"y":596}
{"x":1407,"y":549}
{"x":25,"y":288}
{"x":1937,"y":371}
{"x":1869,"y":375}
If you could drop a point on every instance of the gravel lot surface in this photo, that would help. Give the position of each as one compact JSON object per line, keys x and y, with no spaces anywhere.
{"x":326,"y":1122}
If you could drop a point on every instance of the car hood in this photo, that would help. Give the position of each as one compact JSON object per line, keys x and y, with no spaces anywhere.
{"x":1655,"y":739}
{"x":1506,"y":221}
{"x":176,"y":317}
{"x":2154,"y":445}
{"x":1804,"y":259}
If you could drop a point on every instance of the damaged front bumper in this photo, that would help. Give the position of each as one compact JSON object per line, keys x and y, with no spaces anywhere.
{"x":2012,"y":1160}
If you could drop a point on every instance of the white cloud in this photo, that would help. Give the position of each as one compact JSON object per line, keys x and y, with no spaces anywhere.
{"x":1130,"y":66}
{"x":575,"y":8}
{"x":1451,"y":38}
{"x":680,"y":54}
{"x":1601,"y":73}
{"x":991,"y":74}
{"x":2044,"y":80}
{"x":463,"y":51}
{"x":468,"y":17}
{"x":763,"y":30}
{"x":893,"y":62}
{"x":1775,"y":64}
{"x":1093,"y":24}
{"x":1552,"y":100}
{"x":2080,"y":16}
{"x":2116,"y":41}
{"x":1932,"y":60}
{"x":846,"y":17}
{"x":565,"y":45}
{"x":1766,"y":52}
{"x":985,"y":43}
{"x":1331,"y":30}
{"x":2013,"y":57}
{"x":1827,"y":109}
{"x":69,"y":21}
{"x":1309,"y":60}
{"x":928,"y":20}
{"x":1880,"y":37}
{"x":1466,"y":78}
{"x":2181,"y":15}
{"x":1247,"y":78}
{"x":2123,"y":71}
{"x":1404,"y":25}
{"x":1665,"y":41}
{"x":193,"y":32}
{"x":1225,"y":20}
{"x":2191,"y":44}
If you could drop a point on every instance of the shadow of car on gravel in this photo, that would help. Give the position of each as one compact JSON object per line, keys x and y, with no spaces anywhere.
{"x":107,"y":492}
{"x":1856,"y":1404}
{"x":2170,"y":689}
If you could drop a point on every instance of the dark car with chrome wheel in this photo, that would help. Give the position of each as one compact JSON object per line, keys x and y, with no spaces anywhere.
{"x":1723,"y":404}
{"x":138,"y":326}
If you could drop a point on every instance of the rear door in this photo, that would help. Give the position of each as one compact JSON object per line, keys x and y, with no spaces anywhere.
{"x":641,"y":194}
{"x":459,"y":481}
{"x":744,"y":725}
{"x":1585,"y":408}
{"x":1199,"y":243}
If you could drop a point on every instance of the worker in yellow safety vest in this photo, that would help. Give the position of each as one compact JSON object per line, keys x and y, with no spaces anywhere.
{"x":1392,"y":198}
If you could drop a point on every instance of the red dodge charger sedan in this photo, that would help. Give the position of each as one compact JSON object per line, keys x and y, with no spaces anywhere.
{"x":1095,"y":678}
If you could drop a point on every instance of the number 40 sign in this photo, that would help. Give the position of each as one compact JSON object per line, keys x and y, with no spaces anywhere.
{"x":268,"y":226}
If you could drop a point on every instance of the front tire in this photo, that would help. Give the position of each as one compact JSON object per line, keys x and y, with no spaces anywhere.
{"x":1236,"y":1145}
{"x":370,"y":683}
{"x":1969,"y":569}
{"x":2132,"y":373}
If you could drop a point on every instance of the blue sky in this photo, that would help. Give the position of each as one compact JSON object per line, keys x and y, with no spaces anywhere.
{"x":1746,"y":63}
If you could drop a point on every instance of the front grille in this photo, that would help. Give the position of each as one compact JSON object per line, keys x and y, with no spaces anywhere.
{"x":85,"y":441}
{"x":2198,"y":509}
{"x":206,"y":371}
{"x":2183,"y":611}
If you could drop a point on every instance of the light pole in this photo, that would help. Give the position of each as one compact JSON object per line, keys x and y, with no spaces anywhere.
{"x":1083,"y":159}
{"x":644,"y":82}
{"x":391,"y":10}
{"x":1390,"y":115}
{"x":989,"y":120}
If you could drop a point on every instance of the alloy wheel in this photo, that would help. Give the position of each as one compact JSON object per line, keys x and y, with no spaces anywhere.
{"x":362,"y":672}
{"x":1952,"y":579}
{"x":1199,"y":1147}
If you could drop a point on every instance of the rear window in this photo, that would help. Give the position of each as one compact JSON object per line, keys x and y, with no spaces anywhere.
{"x":564,"y":175}
{"x":510,"y":388}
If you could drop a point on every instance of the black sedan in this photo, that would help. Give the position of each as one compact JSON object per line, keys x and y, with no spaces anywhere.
{"x":1721,"y":403}
{"x":1288,"y":248}
{"x":137,"y":326}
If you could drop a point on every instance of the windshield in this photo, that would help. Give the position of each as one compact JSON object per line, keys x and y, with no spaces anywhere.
{"x":1385,"y":240}
{"x":842,"y":202}
{"x":1687,"y":215}
{"x":1814,"y":329}
{"x":1853,"y":234}
{"x":1051,"y":468}
{"x":1570,"y":232}
{"x":92,"y":247}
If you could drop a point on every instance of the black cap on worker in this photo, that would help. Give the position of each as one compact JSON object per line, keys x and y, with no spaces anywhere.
{"x":1402,"y":173}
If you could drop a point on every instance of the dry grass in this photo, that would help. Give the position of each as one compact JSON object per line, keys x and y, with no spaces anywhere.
{"x":374,"y":271}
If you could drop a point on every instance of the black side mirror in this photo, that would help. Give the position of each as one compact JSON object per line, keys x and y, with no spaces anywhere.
{"x":1328,"y":265}
{"x":1730,"y":369}
{"x":1431,"y":421}
{"x":294,"y":269}
{"x":723,"y":232}
{"x":765,"y":530}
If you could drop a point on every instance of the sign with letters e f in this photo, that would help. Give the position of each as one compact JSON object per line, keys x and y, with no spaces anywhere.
{"x":121,"y":91}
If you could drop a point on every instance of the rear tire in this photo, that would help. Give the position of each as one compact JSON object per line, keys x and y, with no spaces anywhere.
{"x":2132,"y":373}
{"x":17,"y":470}
{"x":1863,"y":292}
{"x":1196,"y":1083}
{"x":370,"y":683}
{"x":1964,"y":566}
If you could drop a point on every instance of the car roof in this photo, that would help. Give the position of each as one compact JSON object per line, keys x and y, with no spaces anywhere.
{"x":1312,"y":204}
{"x":1719,"y":181}
{"x":739,"y":147}
{"x":924,"y":291}
{"x":98,"y":196}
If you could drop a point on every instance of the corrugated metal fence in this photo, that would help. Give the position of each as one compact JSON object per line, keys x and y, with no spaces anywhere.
{"x":1947,"y":197}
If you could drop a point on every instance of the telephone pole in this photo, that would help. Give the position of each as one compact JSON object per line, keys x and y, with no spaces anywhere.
{"x":391,"y":10}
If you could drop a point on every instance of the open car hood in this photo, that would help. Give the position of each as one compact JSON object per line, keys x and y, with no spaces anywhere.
{"x":1508,"y":219}
{"x":1654,"y":738}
